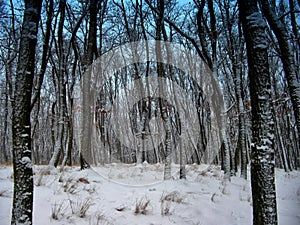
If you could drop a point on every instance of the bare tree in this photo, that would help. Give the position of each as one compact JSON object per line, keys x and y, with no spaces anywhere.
{"x":262,"y":161}
{"x":87,"y":97}
{"x":210,"y":57}
{"x":286,"y":55}
{"x":21,"y":126}
{"x":61,"y":94}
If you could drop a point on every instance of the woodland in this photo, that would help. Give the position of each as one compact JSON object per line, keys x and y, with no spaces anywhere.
{"x":49,"y":115}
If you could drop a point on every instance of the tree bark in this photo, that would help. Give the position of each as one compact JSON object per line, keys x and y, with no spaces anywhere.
{"x":21,"y":127}
{"x":61,"y":95}
{"x":235,"y":51}
{"x":262,"y":160}
{"x":40,"y":78}
{"x":161,"y":86}
{"x":87,"y":98}
{"x":286,"y":55}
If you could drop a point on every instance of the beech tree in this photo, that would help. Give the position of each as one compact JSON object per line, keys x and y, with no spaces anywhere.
{"x":21,"y":126}
{"x":262,"y":160}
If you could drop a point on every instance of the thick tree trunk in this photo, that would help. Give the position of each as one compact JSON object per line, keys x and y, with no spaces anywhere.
{"x":21,"y":127}
{"x":262,"y":161}
{"x":287,"y":56}
{"x":87,"y":97}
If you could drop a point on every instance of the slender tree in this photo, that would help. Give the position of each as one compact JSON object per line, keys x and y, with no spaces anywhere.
{"x":262,"y":161}
{"x":21,"y":127}
{"x":210,"y":53}
{"x":61,"y":95}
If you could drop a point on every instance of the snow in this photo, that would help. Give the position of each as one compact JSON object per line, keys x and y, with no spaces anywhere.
{"x":112,"y":193}
{"x":27,"y":161}
{"x":24,"y":135}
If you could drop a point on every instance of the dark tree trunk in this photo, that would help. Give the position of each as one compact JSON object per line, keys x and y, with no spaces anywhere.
{"x":61,"y":95}
{"x":21,"y":127}
{"x":262,"y":161}
{"x":46,"y":39}
{"x":91,"y":54}
{"x":287,"y":56}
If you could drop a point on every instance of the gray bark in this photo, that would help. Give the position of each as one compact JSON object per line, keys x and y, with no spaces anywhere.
{"x":87,"y":96}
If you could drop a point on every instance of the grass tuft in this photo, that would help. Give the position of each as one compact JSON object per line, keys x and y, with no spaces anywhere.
{"x":141,"y":206}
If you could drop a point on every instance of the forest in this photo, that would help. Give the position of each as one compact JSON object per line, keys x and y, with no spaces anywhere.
{"x":98,"y":82}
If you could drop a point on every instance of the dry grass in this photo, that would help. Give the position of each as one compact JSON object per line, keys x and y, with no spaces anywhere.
{"x":70,"y":186}
{"x":2,"y":193}
{"x":80,"y":207}
{"x":99,"y":219}
{"x":43,"y":172}
{"x":141,"y":206}
{"x":6,"y":164}
{"x":83,"y":180}
{"x":173,"y":196}
{"x":57,"y":210}
{"x":167,"y":199}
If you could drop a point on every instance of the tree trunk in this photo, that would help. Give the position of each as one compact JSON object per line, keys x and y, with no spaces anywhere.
{"x":287,"y":56}
{"x":40,"y":78}
{"x":21,"y":127}
{"x":87,"y":101}
{"x":242,"y":129}
{"x":161,"y":86}
{"x":236,"y":58}
{"x":262,"y":160}
{"x":61,"y":95}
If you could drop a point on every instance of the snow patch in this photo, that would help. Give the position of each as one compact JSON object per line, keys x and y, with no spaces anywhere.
{"x":263,"y":147}
{"x":24,"y":135}
{"x":27,"y":162}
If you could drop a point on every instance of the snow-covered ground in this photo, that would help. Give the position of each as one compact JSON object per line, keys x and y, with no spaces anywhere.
{"x":129,"y":194}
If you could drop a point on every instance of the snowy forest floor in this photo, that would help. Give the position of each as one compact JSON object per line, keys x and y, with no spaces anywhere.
{"x":128,"y":194}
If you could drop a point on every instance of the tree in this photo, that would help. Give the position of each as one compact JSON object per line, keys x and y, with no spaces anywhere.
{"x":209,"y":50}
{"x":161,"y":35}
{"x":21,"y":127}
{"x":262,"y":160}
{"x":235,"y":53}
{"x":286,"y":55}
{"x":61,"y":93}
{"x":91,"y":55}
